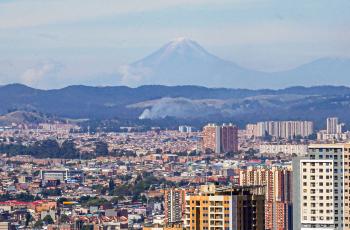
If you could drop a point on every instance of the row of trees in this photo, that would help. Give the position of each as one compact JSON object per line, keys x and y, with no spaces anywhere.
{"x":20,"y":197}
{"x":120,"y":192}
{"x":43,"y":149}
{"x":27,"y":197}
{"x":50,"y":148}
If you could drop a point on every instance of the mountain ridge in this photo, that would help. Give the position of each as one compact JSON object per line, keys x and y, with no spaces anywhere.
{"x":163,"y":102}
{"x":183,"y":60}
{"x":25,"y":117}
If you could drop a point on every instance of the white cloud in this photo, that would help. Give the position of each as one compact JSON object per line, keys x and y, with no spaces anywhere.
{"x":132,"y":76}
{"x":36,"y":74}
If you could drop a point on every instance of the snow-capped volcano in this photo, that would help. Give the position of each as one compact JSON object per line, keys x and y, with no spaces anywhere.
{"x":183,"y":46}
{"x":179,"y":49}
{"x":184,"y":62}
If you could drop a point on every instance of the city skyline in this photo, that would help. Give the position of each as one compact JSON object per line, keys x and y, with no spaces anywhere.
{"x":174,"y":115}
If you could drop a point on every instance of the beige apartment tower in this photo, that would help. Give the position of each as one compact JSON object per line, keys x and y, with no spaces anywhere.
{"x":228,"y":208}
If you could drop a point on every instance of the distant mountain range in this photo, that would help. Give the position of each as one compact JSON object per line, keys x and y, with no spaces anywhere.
{"x":185,"y":103}
{"x":183,"y":61}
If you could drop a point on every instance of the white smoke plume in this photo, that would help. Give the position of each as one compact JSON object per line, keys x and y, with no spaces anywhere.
{"x":180,"y":108}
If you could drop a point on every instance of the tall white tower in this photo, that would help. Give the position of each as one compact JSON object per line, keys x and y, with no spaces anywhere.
{"x":332,"y":125}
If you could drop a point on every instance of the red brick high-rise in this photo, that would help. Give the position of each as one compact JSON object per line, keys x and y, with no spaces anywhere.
{"x":220,"y":139}
{"x":229,"y":138}
{"x":278,"y":194}
{"x":211,"y":137}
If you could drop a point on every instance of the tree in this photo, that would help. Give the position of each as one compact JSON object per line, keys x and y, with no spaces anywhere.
{"x":101,"y":148}
{"x":64,"y":219}
{"x":87,"y":227}
{"x":88,"y":201}
{"x":39,"y":224}
{"x":117,"y":199}
{"x":68,"y":150}
{"x":230,"y":154}
{"x":29,"y":219}
{"x":46,"y":148}
{"x":111,"y":185}
{"x":143,"y":199}
{"x":123,"y":190}
{"x":312,"y":136}
{"x":6,"y":197}
{"x":43,"y":149}
{"x":25,"y":197}
{"x":51,"y":192}
{"x":61,"y":200}
{"x":48,"y":219}
{"x":267,"y":136}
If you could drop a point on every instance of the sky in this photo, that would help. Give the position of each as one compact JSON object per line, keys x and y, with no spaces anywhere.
{"x":55,"y":43}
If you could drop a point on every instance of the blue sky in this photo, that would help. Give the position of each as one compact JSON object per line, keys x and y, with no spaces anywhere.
{"x":54,"y":43}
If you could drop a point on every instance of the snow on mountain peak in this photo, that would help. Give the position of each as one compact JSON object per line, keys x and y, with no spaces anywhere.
{"x":183,"y":42}
{"x":181,"y":39}
{"x":183,"y":45}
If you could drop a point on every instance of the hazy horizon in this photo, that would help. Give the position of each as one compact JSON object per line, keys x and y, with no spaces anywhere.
{"x":53,"y":44}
